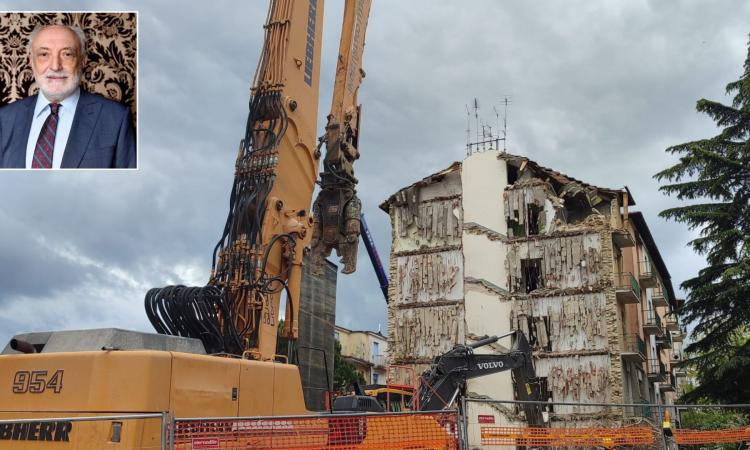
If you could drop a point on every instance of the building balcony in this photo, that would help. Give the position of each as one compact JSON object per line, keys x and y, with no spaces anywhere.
{"x":646,"y":275}
{"x":651,"y":322}
{"x":670,"y":385}
{"x":640,"y":411}
{"x":633,"y":348}
{"x":657,"y":371}
{"x":659,"y":296}
{"x":378,"y":360}
{"x":622,"y":239}
{"x":673,"y":323}
{"x":678,"y":335}
{"x":664,"y":340}
{"x":627,"y":289}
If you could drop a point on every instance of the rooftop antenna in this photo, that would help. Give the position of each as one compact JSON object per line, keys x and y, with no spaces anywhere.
{"x":468,"y":131}
{"x":484,"y":136}
{"x":476,"y":115}
{"x":505,"y":125}
{"x":497,"y":117}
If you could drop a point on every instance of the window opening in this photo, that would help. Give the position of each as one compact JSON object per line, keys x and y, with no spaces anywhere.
{"x":539,"y":333}
{"x":532,"y":223}
{"x":512,"y":174}
{"x":531,"y":269}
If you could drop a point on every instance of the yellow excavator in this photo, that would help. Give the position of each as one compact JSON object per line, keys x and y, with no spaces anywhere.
{"x":215,"y":351}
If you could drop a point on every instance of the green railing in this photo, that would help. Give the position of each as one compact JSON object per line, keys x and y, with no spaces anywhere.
{"x":652,"y":318}
{"x":659,"y":291}
{"x":635,"y":285}
{"x":634,"y":344}
{"x":627,"y":280}
{"x":645,"y":410}
{"x":641,"y":345}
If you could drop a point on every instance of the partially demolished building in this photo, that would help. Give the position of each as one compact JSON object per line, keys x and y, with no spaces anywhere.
{"x":498,"y":242}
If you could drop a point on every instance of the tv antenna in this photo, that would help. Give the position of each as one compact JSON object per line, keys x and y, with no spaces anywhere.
{"x":486,"y":139}
{"x":506,"y":101}
{"x":468,"y":126}
{"x":476,"y":115}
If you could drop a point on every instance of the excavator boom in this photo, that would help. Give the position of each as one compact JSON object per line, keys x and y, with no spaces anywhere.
{"x":337,"y":208}
{"x":269,"y":224}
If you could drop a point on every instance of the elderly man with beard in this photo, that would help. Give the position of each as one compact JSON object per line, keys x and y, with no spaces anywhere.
{"x":64,"y":126}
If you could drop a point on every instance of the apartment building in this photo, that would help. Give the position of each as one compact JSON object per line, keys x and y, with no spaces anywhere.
{"x":365,"y":350}
{"x":498,"y":242}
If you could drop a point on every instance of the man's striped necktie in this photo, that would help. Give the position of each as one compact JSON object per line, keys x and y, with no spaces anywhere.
{"x":45,"y":145}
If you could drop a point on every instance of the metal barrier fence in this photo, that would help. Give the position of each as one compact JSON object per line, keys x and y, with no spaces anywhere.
{"x":692,"y":427}
{"x":101,"y":430}
{"x":423,"y":430}
{"x":567,"y":437}
{"x":497,"y":424}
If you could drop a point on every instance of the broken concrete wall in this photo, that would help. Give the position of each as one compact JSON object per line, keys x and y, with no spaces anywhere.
{"x":429,"y":277}
{"x":427,"y":215}
{"x":583,"y":378}
{"x":567,"y":324}
{"x":417,"y":335}
{"x":532,"y":208}
{"x":428,"y":223}
{"x":425,"y":313}
{"x":567,"y":262}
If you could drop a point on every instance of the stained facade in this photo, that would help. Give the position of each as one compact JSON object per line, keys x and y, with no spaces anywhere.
{"x":366,"y":351}
{"x":497,"y":243}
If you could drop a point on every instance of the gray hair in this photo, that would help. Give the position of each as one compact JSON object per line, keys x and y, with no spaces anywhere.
{"x":76,"y":30}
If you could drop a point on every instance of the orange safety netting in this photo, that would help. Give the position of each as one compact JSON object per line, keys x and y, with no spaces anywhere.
{"x":561,"y":437}
{"x":362,"y":431}
{"x":688,"y":437}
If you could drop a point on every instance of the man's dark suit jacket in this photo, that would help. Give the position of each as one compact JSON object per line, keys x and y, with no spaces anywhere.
{"x":101,"y":135}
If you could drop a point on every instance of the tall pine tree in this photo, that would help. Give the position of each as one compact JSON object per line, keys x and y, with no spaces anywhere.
{"x":713,"y":177}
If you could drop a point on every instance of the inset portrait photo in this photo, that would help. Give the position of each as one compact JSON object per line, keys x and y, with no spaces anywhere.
{"x":68,"y":90}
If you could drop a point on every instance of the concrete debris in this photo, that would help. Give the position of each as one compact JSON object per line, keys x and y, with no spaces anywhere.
{"x":490,"y":287}
{"x":475,"y":228}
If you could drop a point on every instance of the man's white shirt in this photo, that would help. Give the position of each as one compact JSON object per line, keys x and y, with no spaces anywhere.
{"x":64,"y":123}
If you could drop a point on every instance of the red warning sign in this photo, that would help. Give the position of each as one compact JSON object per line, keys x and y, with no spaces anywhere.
{"x":205,"y":443}
{"x":486,"y":418}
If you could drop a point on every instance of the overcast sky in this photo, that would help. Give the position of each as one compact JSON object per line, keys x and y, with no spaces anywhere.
{"x":598,"y":89}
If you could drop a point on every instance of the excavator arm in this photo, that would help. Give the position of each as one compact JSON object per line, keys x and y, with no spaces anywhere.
{"x":446,"y":379}
{"x":337,"y":208}
{"x":269,"y":224}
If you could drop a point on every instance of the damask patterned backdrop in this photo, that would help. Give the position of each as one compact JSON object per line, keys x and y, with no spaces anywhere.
{"x":111,"y":67}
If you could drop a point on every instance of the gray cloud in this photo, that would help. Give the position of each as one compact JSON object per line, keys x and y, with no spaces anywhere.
{"x":598,"y":90}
